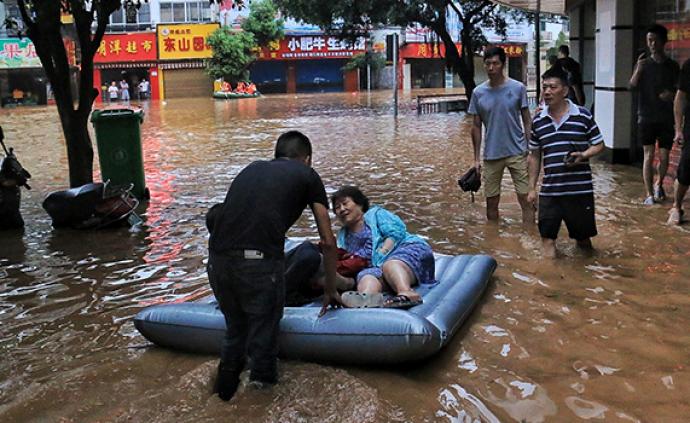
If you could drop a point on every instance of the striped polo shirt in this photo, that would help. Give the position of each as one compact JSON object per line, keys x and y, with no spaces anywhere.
{"x":577,"y":131}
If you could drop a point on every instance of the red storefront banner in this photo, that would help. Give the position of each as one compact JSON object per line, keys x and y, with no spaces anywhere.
{"x":134,"y":47}
{"x":312,"y":47}
{"x":678,"y":35}
{"x":433,"y":50}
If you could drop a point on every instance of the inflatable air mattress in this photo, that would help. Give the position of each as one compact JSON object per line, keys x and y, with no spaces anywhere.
{"x":357,"y":336}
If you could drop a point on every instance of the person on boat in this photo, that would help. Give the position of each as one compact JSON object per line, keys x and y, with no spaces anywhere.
{"x":251,"y":88}
{"x":399,"y":260}
{"x":246,"y":259}
{"x":241,"y":87}
{"x":227,"y":88}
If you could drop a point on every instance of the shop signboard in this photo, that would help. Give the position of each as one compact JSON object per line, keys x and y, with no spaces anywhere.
{"x":434,"y":50}
{"x":312,"y":47}
{"x":134,"y":47}
{"x":678,"y":35}
{"x":185,"y":41}
{"x":18,"y":53}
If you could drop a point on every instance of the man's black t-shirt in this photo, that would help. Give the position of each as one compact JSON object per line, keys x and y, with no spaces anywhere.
{"x":654,"y":79}
{"x":684,"y":85}
{"x":263,"y":202}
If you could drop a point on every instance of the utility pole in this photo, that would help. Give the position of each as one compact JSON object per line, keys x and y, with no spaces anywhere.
{"x":537,"y":24}
{"x":395,"y":75}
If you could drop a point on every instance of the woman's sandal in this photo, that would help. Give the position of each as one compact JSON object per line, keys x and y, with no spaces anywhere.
{"x":401,"y":301}
{"x":354,"y":299}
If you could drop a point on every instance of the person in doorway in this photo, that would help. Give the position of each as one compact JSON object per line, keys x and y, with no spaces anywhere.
{"x":124,"y":90}
{"x":399,"y":260}
{"x":565,"y":136}
{"x":246,"y":258}
{"x":500,"y":105}
{"x":654,"y":78}
{"x":104,"y":92}
{"x":143,"y":89}
{"x":573,"y":70}
{"x":681,"y":111}
{"x":113,"y":92}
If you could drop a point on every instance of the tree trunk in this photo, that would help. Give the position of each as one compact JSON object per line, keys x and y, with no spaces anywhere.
{"x":462,"y":65}
{"x":467,"y":58}
{"x":74,"y":122}
{"x":79,"y":149}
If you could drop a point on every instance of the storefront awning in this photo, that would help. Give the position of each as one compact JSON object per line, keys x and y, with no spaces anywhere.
{"x":547,"y":6}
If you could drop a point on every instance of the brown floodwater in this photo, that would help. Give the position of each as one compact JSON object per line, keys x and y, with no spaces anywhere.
{"x":584,"y":337}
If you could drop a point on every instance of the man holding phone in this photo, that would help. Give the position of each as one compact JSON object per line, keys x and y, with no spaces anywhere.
{"x":655,"y":78}
{"x":564,"y":136}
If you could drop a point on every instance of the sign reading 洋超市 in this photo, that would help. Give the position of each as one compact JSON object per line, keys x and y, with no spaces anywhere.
{"x":134,"y":47}
{"x":312,"y":47}
{"x":184,"y":41}
{"x":18,"y":53}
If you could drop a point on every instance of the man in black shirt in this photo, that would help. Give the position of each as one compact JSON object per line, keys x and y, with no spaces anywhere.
{"x":681,"y":111}
{"x":655,"y":80}
{"x":573,"y":70}
{"x":246,"y":259}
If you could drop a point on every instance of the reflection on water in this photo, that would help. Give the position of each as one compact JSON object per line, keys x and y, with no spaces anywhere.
{"x":601,"y":337}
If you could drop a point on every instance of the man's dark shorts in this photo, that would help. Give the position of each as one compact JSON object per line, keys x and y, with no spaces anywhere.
{"x":649,"y":133}
{"x":576,"y":210}
{"x":683,"y":173}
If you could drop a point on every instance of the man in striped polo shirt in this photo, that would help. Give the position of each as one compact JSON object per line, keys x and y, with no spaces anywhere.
{"x":565,"y":136}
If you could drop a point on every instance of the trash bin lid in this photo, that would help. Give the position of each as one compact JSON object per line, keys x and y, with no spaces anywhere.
{"x":117,"y":112}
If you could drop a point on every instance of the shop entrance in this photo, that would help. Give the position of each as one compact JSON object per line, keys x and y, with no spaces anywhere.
{"x":23,"y":87}
{"x":132,"y":75}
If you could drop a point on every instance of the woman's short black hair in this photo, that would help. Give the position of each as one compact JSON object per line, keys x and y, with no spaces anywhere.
{"x":354,"y":193}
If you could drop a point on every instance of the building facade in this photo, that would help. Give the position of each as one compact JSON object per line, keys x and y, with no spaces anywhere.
{"x":606,"y":37}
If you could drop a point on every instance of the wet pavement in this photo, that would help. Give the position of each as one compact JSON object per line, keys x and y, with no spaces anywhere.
{"x":602,"y":336}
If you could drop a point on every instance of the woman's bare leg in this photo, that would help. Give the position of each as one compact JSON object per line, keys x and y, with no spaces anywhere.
{"x":400,"y":278}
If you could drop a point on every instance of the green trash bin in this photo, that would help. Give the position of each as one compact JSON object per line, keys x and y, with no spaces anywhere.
{"x":118,"y":137}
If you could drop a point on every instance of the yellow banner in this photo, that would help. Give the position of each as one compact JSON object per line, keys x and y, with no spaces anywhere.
{"x":184,"y":41}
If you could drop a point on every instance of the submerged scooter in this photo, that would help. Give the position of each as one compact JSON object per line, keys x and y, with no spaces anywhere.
{"x":12,"y":177}
{"x":93,"y":206}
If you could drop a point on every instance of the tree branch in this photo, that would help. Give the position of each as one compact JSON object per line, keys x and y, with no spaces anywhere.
{"x":25,"y":15}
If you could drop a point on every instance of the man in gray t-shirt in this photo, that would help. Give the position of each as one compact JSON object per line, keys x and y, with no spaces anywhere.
{"x":500,"y":104}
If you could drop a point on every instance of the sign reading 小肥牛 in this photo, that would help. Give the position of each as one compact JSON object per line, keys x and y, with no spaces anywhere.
{"x":18,"y":53}
{"x":134,"y":47}
{"x":312,"y":47}
{"x":185,"y":41}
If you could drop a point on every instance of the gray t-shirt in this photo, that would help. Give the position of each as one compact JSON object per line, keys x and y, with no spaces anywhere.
{"x":500,"y":111}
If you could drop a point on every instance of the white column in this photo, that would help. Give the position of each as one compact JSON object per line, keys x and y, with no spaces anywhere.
{"x":614,"y":61}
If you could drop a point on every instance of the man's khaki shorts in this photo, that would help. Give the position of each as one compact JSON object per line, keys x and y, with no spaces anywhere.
{"x":492,"y":174}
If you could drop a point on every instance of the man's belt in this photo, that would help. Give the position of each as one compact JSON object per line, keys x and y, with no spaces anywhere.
{"x":246,"y":254}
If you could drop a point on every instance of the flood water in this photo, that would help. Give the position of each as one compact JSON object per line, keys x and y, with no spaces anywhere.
{"x":602,"y":337}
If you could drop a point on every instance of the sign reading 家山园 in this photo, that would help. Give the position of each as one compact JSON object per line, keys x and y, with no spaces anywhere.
{"x":18,"y":53}
{"x":134,"y":47}
{"x":184,"y":41}
{"x":312,"y":47}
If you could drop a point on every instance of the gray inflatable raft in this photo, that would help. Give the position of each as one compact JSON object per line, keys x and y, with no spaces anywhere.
{"x":357,"y":336}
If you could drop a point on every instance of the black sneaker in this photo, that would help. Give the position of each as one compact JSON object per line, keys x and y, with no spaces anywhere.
{"x":227,"y":382}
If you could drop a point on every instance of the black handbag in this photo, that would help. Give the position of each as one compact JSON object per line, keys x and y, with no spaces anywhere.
{"x":471,"y":181}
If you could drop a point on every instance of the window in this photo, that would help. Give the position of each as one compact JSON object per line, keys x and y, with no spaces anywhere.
{"x":193,"y":12}
{"x":166,"y":12}
{"x":117,"y":17}
{"x":178,"y":12}
{"x":144,"y":13}
{"x":205,"y":11}
{"x":189,"y":11}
